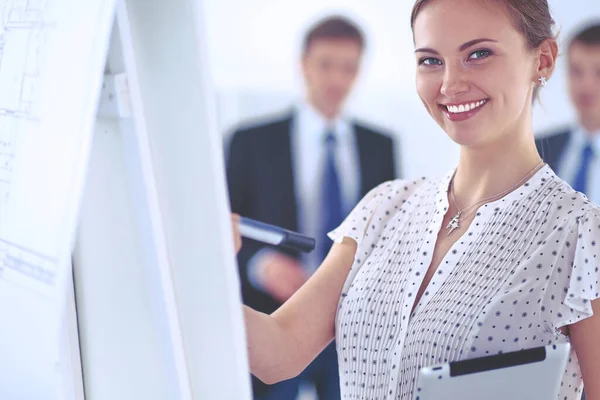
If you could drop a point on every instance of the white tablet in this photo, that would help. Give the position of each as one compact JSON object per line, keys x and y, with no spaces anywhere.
{"x":533,"y":374}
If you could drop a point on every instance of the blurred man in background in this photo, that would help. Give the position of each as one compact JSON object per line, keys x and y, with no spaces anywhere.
{"x":574,"y":153}
{"x":305,"y":171}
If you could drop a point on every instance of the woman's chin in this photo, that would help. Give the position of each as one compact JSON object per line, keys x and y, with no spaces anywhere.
{"x":464,"y":137}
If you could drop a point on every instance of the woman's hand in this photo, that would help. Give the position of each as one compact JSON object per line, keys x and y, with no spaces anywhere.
{"x":237,"y":237}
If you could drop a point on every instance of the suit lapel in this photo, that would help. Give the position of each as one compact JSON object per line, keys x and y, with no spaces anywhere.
{"x":281,"y":148}
{"x":363,"y":143}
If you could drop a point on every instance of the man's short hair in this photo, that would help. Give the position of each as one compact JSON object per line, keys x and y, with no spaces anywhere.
{"x":334,"y":27}
{"x":589,"y":35}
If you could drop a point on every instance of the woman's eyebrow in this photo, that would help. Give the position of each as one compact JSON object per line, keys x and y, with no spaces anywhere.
{"x":462,"y":47}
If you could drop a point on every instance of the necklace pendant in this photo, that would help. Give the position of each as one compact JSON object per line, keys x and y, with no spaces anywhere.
{"x":453,"y":224}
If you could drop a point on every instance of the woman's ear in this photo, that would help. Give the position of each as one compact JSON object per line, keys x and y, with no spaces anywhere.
{"x":547,"y":55}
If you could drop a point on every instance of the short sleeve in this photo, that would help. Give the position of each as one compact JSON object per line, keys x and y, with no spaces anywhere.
{"x":356,"y":224}
{"x":574,"y":282}
{"x":368,"y":219}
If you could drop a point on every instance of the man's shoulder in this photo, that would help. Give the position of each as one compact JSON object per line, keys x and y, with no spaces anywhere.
{"x":372,"y":131}
{"x":553,"y":135}
{"x":263,"y":127}
{"x":550,"y":144}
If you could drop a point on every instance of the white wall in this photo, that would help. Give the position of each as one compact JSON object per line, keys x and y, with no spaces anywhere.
{"x":254,"y":49}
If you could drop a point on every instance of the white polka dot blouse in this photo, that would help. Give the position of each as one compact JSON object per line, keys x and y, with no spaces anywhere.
{"x":527,"y":265}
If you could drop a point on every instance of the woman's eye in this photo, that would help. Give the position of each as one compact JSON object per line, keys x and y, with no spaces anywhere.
{"x":479,"y":54}
{"x":430,"y":61}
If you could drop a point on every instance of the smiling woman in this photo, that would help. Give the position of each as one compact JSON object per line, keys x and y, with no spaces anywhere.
{"x":498,"y":255}
{"x":481,"y":64}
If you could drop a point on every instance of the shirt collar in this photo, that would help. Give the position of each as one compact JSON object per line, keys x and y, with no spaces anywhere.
{"x":536,"y":183}
{"x":313,"y":123}
{"x":581,"y":136}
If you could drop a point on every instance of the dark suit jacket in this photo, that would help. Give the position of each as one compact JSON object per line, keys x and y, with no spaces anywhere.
{"x":261,"y":184}
{"x":551,"y":147}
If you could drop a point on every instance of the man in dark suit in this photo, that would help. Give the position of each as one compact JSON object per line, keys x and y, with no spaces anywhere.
{"x":574,"y":153}
{"x":305,"y":171}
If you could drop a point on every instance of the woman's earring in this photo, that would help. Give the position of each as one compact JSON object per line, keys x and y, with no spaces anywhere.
{"x":543,"y":80}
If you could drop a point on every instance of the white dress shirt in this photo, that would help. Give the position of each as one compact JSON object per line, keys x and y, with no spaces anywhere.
{"x":569,"y":162}
{"x":308,"y":157}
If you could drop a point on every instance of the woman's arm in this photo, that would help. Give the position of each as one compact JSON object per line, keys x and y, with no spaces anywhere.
{"x":585,"y":338}
{"x":282,"y":344}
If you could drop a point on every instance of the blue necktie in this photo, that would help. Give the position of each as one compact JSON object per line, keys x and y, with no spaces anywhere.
{"x":331,"y":197}
{"x":581,"y":179}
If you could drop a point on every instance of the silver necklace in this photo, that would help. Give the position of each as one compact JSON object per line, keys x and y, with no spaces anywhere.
{"x":456,"y":220}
